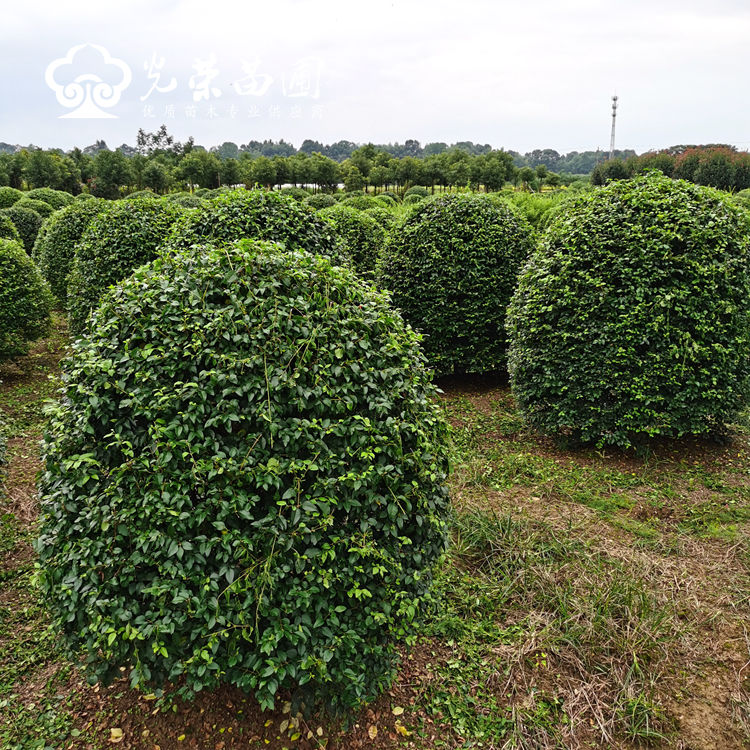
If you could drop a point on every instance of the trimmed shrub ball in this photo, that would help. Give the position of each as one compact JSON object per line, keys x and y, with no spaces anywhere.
{"x":245,"y":479}
{"x":452,"y":264}
{"x":361,"y":202}
{"x":8,"y":229}
{"x":413,"y":199}
{"x":42,"y":208}
{"x":188,"y":201}
{"x":631,"y":319}
{"x":121,"y":237}
{"x":9,"y":196}
{"x":25,"y":301}
{"x":383,"y":216}
{"x":320,"y":200}
{"x":363,"y":237}
{"x":85,"y":197}
{"x":28,"y":223}
{"x":55,"y":198}
{"x":54,"y":248}
{"x":419,"y":190}
{"x":261,"y":215}
{"x":298,"y":193}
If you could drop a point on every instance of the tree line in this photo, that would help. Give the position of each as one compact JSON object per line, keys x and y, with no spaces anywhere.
{"x":716,"y":165}
{"x":161,"y":164}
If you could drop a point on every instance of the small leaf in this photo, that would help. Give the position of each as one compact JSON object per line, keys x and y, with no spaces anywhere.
{"x":115,"y":734}
{"x":402,"y":730}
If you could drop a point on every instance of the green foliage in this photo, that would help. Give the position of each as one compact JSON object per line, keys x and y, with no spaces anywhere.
{"x":8,"y":229}
{"x":386,"y":201}
{"x":419,"y":190}
{"x":320,"y":200}
{"x":413,"y":199}
{"x":257,"y":214}
{"x":25,"y":301}
{"x":3,"y":453}
{"x":55,"y":245}
{"x":260,"y":500}
{"x":631,"y":319}
{"x":9,"y":196}
{"x":613,"y":169}
{"x":181,"y":194}
{"x":142,"y":194}
{"x":383,"y":216}
{"x":28,"y":223}
{"x":360,"y":202}
{"x":188,"y":201}
{"x":55,"y":198}
{"x":389,"y":194}
{"x":112,"y":170}
{"x":42,"y":208}
{"x":452,"y":264}
{"x":538,"y":208}
{"x":298,"y":193}
{"x":363,"y":236}
{"x":85,"y":197}
{"x":124,"y":235}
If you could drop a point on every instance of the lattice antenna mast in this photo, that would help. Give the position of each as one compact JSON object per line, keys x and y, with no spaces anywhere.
{"x":612,"y":138}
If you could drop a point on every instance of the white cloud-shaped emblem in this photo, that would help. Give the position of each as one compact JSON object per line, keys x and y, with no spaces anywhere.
{"x":88,"y":93}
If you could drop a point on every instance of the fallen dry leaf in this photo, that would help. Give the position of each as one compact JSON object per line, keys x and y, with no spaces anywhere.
{"x":115,"y":734}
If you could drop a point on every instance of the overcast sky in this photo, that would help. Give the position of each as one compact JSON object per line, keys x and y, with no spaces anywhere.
{"x":517,"y":75}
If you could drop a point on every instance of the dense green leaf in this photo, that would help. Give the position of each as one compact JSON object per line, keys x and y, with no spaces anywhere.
{"x":632,"y":317}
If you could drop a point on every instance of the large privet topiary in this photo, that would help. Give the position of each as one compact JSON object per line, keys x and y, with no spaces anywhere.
{"x":124,"y":235}
{"x":55,"y":198}
{"x":452,"y":265}
{"x":28,"y":223}
{"x":632,"y":317}
{"x":257,"y":214}
{"x":360,"y":201}
{"x":244,"y":481}
{"x":42,"y":208}
{"x":419,"y":190}
{"x":363,"y":237}
{"x":25,"y":300}
{"x":55,"y":244}
{"x":8,"y":229}
{"x":320,"y":200}
{"x":9,"y":196}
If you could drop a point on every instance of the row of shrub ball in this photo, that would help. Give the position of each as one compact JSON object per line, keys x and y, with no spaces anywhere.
{"x":249,"y":433}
